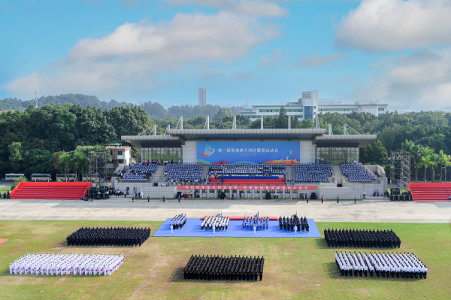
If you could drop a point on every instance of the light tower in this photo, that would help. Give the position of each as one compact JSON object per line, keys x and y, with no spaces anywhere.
{"x":35,"y":100}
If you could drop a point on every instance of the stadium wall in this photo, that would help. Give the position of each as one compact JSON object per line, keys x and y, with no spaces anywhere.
{"x":307,"y":152}
{"x":189,"y":152}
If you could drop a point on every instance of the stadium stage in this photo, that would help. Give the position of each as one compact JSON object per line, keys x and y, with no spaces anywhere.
{"x":192,"y":229}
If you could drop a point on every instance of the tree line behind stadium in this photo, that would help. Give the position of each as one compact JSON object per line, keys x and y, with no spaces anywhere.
{"x":33,"y":140}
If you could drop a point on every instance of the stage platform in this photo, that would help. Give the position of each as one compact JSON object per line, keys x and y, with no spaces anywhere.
{"x":192,"y":229}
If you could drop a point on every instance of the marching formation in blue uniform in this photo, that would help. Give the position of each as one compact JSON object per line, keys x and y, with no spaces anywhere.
{"x":261,"y":223}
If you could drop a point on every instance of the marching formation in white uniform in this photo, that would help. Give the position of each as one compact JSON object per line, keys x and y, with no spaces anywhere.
{"x":215,"y":223}
{"x":66,"y":264}
{"x":400,"y":265}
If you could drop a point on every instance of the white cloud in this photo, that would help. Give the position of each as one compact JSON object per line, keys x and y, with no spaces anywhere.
{"x":317,"y":60}
{"x":421,"y":81}
{"x":268,"y":8}
{"x":136,"y":58}
{"x":387,"y":25}
{"x":272,"y":60}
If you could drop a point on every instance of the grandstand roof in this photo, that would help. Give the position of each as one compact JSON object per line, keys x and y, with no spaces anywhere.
{"x":361,"y":141}
{"x":177,"y":137}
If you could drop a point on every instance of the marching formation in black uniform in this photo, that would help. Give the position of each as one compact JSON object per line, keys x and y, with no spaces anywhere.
{"x":289,"y":223}
{"x":120,"y":236}
{"x":224,"y":268}
{"x":397,"y":265}
{"x":362,"y":238}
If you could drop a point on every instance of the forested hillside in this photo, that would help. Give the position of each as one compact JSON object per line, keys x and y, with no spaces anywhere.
{"x":154,"y":109}
{"x":29,"y":138}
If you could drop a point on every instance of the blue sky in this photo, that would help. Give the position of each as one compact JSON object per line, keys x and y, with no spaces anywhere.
{"x":270,"y":50}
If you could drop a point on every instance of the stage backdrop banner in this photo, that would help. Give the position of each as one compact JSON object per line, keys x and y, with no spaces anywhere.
{"x":234,"y":187}
{"x":248,"y":152}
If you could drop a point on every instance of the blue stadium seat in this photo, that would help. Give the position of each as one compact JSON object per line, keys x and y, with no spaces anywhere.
{"x":357,"y":173}
{"x":312,"y":172}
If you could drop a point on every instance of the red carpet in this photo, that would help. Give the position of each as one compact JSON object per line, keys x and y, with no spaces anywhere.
{"x":241,"y":218}
{"x":50,"y":190}
{"x":430,"y":191}
{"x":249,"y":181}
{"x":3,"y":240}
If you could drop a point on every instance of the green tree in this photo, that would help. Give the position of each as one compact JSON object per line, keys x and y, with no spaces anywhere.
{"x":435,"y":160}
{"x":426,"y":162}
{"x":375,"y":153}
{"x":66,"y":162}
{"x":37,"y":161}
{"x":415,"y":151}
{"x":223,"y":112}
{"x":282,"y":119}
{"x":444,"y":161}
{"x":307,"y":124}
{"x":15,"y":155}
{"x":17,"y":181}
{"x":55,"y":162}
{"x":80,"y":161}
{"x":295,"y":122}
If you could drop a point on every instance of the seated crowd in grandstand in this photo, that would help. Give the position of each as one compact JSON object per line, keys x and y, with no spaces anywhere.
{"x":357,"y":173}
{"x":248,"y":170}
{"x":183,"y":173}
{"x":139,"y":172}
{"x":312,"y":172}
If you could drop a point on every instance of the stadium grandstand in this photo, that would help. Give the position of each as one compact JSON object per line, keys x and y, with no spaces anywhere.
{"x":251,"y":162}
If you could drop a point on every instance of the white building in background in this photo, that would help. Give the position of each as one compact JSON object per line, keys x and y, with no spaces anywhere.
{"x":311,"y":106}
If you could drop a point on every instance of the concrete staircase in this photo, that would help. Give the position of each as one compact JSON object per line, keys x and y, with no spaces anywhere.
{"x":371,"y":172}
{"x":290,"y":172}
{"x":156,"y":176}
{"x":205,"y":171}
{"x":338,"y":175}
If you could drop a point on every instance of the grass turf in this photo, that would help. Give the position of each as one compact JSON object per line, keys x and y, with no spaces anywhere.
{"x":294,"y":268}
{"x":5,"y":189}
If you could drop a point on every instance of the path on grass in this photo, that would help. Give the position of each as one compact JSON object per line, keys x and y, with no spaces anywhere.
{"x":124,"y":209}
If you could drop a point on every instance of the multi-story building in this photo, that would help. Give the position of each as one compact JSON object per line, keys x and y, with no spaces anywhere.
{"x":120,"y":157}
{"x":311,"y":105}
{"x":202,"y":97}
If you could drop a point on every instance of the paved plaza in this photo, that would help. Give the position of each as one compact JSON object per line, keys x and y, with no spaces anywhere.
{"x":155,"y":210}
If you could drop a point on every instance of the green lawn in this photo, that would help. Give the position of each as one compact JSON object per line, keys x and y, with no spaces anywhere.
{"x":294,"y":268}
{"x":5,"y":189}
